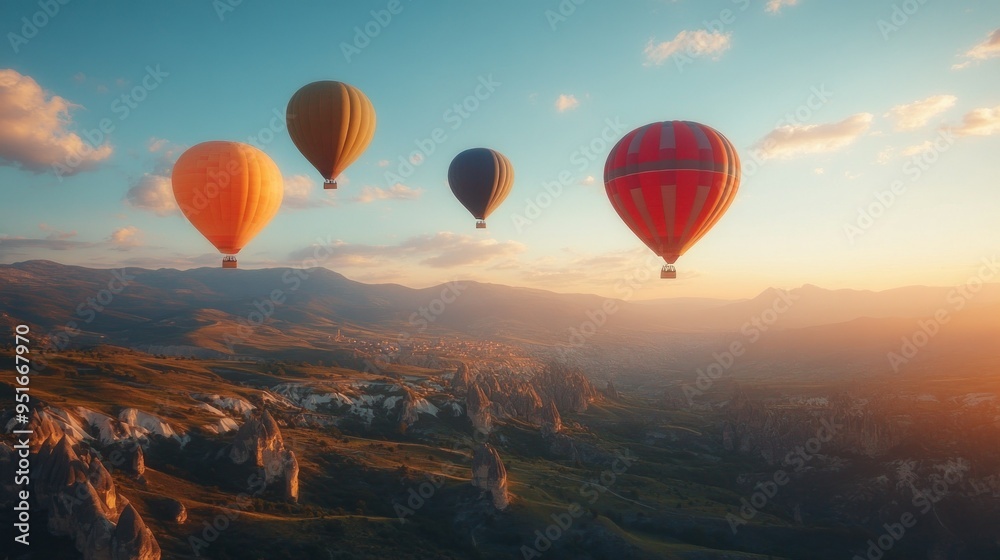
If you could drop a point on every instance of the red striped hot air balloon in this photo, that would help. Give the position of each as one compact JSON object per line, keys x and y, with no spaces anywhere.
{"x":671,"y":182}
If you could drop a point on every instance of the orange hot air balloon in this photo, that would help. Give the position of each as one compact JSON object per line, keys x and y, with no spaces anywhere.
{"x":229,"y":191}
{"x":671,"y":182}
{"x":331,"y":123}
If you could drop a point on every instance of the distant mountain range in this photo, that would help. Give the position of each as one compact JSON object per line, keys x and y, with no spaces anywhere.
{"x":294,"y":308}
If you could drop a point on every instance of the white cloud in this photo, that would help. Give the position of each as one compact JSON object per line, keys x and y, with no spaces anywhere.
{"x":694,"y":44}
{"x":298,"y":191}
{"x":398,"y":191}
{"x":566,"y":102}
{"x":21,"y":247}
{"x":885,"y":155}
{"x":774,"y":6}
{"x":979,"y":122}
{"x":152,"y":193}
{"x":912,"y":116}
{"x":157,"y":144}
{"x":56,"y":235}
{"x":35,"y":130}
{"x":793,"y":140}
{"x":916,"y":149}
{"x":439,"y":250}
{"x":989,"y":48}
{"x":126,"y":238}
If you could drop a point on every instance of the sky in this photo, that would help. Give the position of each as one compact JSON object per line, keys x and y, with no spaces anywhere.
{"x":868,"y":133}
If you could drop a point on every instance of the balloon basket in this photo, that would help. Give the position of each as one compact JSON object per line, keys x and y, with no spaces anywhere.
{"x":480,"y":224}
{"x":668,"y":272}
{"x":229,"y":263}
{"x":329,"y":185}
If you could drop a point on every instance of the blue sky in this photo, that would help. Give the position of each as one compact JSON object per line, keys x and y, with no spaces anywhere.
{"x":884,"y":81}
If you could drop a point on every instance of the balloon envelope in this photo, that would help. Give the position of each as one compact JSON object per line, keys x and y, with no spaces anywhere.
{"x":229,"y":191}
{"x":481,"y":179}
{"x":671,"y":182}
{"x":331,"y":123}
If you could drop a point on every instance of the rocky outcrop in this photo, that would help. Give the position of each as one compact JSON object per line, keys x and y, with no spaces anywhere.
{"x":569,"y":388}
{"x":137,"y":462}
{"x":412,"y":405}
{"x":498,"y":394}
{"x":489,"y":475}
{"x":43,"y":428}
{"x":132,"y":540}
{"x":770,"y":429}
{"x":461,"y":381}
{"x":80,"y":501}
{"x":477,"y":406}
{"x":171,"y":510}
{"x":259,"y":443}
{"x":550,"y":419}
{"x":611,"y":392}
{"x":525,"y":403}
{"x":291,"y":477}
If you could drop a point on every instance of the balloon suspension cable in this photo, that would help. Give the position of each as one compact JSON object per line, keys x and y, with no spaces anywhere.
{"x":329,"y":184}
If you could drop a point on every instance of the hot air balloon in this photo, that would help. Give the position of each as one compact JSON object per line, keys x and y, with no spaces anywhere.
{"x":671,"y":182}
{"x":331,"y":123}
{"x":229,"y":191}
{"x":481,"y":179}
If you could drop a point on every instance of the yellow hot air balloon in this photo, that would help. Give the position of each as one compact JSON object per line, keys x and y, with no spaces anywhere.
{"x":331,"y":123}
{"x":229,"y":191}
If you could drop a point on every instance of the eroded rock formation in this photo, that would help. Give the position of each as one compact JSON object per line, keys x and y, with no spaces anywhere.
{"x":259,"y":443}
{"x":489,"y":475}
